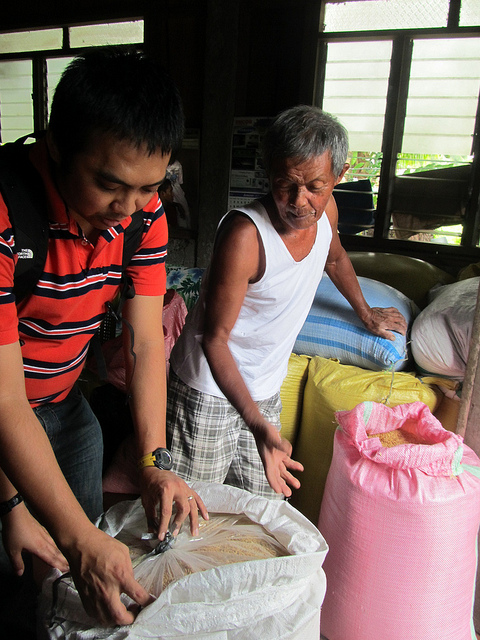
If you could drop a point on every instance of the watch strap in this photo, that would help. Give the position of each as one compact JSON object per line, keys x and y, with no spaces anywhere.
{"x":152,"y":459}
{"x":8,"y":505}
{"x":147,"y":461}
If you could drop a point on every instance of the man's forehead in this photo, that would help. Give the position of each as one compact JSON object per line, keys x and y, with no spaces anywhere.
{"x":319,"y":164}
{"x":122,"y":162}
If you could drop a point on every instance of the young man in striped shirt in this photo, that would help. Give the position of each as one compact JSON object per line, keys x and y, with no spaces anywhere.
{"x":116,"y":119}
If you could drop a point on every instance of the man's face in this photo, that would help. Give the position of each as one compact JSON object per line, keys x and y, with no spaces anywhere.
{"x":109,"y":180}
{"x":301,"y":190}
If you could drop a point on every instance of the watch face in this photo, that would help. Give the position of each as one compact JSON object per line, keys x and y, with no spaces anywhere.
{"x":163,"y":459}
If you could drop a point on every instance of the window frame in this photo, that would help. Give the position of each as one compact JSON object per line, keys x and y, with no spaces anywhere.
{"x":39,"y":59}
{"x":395,"y":113}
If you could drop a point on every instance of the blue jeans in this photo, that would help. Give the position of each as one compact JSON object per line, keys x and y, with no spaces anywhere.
{"x":76,"y":438}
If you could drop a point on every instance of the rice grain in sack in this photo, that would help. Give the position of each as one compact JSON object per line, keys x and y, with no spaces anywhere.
{"x":401,"y":520}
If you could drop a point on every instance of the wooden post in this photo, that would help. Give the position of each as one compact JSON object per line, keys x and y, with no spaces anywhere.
{"x":468,"y":424}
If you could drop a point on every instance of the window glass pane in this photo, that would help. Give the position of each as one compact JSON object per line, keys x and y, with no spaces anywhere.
{"x":355,"y":92}
{"x":44,"y":39}
{"x":470,"y":13}
{"x":356,"y":85}
{"x":366,"y":15}
{"x":430,"y":194}
{"x":429,"y":203}
{"x":104,"y":34}
{"x":433,"y":170}
{"x":16,"y":106}
{"x":55,"y":67}
{"x":442,"y":97}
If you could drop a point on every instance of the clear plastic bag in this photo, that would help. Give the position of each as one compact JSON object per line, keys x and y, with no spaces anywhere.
{"x":223,"y":539}
{"x":272,"y":598}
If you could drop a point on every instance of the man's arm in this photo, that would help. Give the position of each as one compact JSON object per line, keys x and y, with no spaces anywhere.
{"x":146,"y":383}
{"x":237,"y":260}
{"x":380,"y":321}
{"x":100,"y":565}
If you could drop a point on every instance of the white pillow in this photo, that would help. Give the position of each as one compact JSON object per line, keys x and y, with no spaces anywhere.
{"x":333,"y":330}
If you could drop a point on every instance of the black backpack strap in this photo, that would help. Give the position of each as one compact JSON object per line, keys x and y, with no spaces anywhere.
{"x":131,"y":241}
{"x":132,"y":238}
{"x":113,"y":317}
{"x":24,"y":195}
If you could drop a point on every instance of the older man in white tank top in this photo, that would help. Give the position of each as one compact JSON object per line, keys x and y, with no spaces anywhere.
{"x":223,"y":414}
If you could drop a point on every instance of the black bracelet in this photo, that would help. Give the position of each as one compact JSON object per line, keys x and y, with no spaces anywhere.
{"x":8,"y":505}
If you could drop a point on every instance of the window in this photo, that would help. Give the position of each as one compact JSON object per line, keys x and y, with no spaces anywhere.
{"x":55,"y":67}
{"x":356,"y":85}
{"x":31,"y":63}
{"x":16,"y":106}
{"x":407,"y":90}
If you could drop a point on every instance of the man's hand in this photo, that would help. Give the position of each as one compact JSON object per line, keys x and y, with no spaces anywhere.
{"x":21,"y":532}
{"x":275,"y":453}
{"x":382,"y":322}
{"x":160,"y":489}
{"x":101,"y":569}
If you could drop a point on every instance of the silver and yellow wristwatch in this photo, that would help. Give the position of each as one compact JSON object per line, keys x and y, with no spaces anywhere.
{"x":160,"y":458}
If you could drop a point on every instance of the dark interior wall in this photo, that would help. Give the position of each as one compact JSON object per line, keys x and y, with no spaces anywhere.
{"x":254,"y":66}
{"x":276,"y":55}
{"x":175,"y":33}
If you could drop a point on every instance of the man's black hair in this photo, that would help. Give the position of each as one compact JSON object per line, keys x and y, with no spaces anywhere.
{"x":116,"y":91}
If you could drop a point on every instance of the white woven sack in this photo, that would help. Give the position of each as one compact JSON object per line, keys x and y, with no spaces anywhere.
{"x":274,"y":599}
{"x":441,"y":334}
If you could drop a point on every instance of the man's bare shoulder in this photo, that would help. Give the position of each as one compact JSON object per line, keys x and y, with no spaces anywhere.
{"x":236,"y":222}
{"x":236,"y":232}
{"x":237,"y":246}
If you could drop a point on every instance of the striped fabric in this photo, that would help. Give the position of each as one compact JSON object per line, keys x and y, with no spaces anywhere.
{"x":333,"y":330}
{"x":56,"y":323}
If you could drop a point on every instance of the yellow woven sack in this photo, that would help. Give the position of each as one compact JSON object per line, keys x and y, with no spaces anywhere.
{"x":332,"y":387}
{"x":291,"y":395}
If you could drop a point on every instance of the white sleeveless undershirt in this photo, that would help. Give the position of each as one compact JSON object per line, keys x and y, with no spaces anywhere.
{"x":272,"y":314}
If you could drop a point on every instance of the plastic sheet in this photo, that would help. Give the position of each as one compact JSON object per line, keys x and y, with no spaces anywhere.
{"x":276,"y":598}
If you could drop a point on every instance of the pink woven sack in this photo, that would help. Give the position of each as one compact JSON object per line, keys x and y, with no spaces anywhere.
{"x":401,"y":524}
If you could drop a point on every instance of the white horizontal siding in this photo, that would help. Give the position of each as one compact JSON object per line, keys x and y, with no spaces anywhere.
{"x":355,"y":89}
{"x":442,"y":100}
{"x":16,"y":107}
{"x":55,"y":68}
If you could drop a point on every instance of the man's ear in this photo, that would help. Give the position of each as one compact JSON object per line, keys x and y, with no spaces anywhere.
{"x":346,"y":167}
{"x":52,"y":147}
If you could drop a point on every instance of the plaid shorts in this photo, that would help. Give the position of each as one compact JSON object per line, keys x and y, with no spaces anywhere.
{"x":210,"y":442}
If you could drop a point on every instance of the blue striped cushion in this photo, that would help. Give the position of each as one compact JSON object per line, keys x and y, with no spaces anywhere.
{"x":333,"y":330}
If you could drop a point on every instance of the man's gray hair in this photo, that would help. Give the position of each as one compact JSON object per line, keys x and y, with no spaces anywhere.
{"x":304,"y":132}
